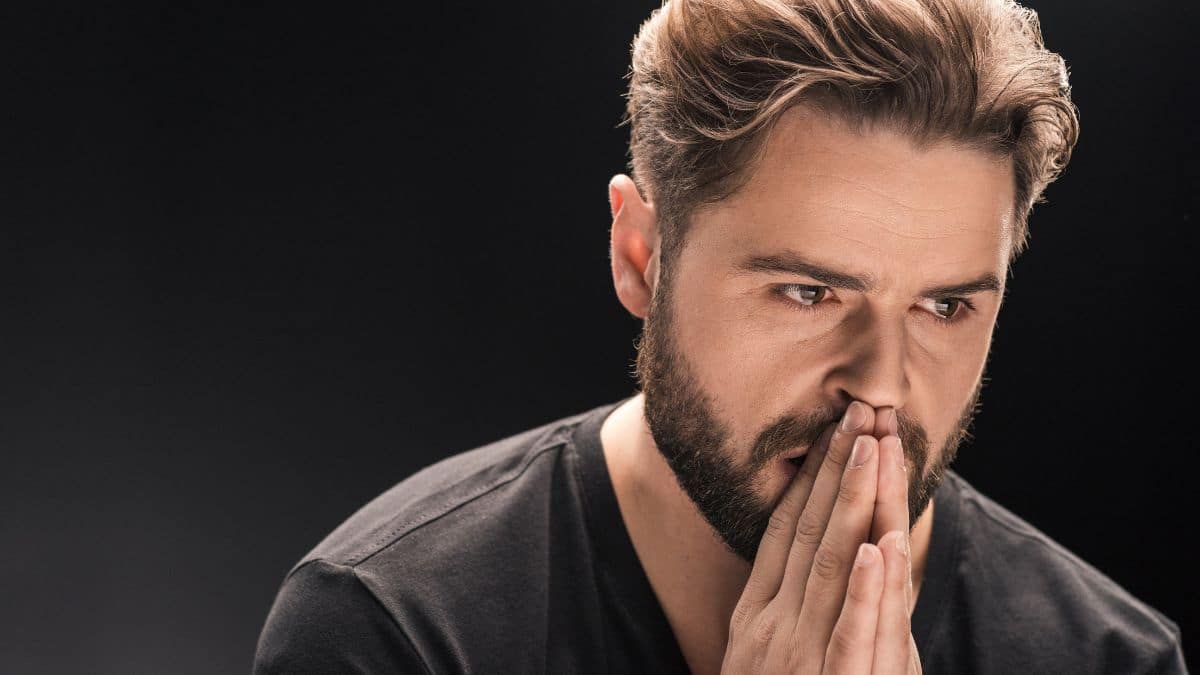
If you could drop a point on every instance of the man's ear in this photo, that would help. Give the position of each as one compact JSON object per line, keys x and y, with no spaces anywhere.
{"x":634,"y":245}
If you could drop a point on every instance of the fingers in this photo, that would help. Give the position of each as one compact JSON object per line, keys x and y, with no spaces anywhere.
{"x":771,"y":558}
{"x":886,"y":422}
{"x":852,"y":644}
{"x":894,"y":629}
{"x":849,"y":524}
{"x":806,"y":596}
{"x":814,"y":517}
{"x":891,"y":499}
{"x":914,"y":657}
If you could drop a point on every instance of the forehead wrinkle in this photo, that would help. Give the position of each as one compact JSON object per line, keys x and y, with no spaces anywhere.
{"x":882,"y":223}
{"x":880,"y":193}
{"x":860,"y":242}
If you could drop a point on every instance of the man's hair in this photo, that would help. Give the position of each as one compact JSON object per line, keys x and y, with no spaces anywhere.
{"x":709,"y":79}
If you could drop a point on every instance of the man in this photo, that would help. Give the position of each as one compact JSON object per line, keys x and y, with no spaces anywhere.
{"x":826,"y":195}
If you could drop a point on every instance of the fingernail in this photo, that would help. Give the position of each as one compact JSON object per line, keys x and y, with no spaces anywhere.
{"x":902,"y":545}
{"x":865,"y":555}
{"x":861,"y":452}
{"x":855,"y":416}
{"x":900,"y":455}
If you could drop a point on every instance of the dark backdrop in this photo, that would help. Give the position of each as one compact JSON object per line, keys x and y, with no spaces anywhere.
{"x":261,"y":263}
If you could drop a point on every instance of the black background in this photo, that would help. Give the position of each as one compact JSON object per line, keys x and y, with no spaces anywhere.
{"x":261,"y":262}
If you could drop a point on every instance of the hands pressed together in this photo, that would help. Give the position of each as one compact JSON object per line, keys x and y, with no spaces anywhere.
{"x":822,"y":598}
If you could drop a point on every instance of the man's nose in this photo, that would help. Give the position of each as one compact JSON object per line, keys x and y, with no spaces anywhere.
{"x":875,"y":366}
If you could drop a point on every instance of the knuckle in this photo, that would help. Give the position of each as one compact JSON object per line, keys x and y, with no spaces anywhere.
{"x":848,"y":493}
{"x":827,"y":565}
{"x":740,"y":617}
{"x":793,"y":658}
{"x":778,"y":526}
{"x":809,"y":530}
{"x":841,"y":642}
{"x":764,"y":630}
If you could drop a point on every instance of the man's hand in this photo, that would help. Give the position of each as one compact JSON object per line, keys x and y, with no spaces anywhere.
{"x":821,"y":597}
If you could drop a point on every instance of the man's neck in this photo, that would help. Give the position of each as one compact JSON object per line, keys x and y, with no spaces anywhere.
{"x":696,"y":578}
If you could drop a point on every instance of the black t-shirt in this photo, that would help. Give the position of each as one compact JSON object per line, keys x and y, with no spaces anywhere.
{"x":514,"y":558}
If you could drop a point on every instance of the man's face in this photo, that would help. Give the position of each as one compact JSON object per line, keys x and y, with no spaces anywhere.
{"x":744,"y":357}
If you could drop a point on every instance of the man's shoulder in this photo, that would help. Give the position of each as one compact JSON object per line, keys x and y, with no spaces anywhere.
{"x":437,"y":495}
{"x":1046,"y":596}
{"x":414,"y":579}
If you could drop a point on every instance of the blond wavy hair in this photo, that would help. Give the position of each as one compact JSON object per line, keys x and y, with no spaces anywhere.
{"x":709,"y":78}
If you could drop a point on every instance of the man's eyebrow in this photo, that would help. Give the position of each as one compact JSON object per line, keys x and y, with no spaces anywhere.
{"x":790,"y":262}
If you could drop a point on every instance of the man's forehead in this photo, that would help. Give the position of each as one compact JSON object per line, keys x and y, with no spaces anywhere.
{"x":844,"y":233}
{"x":874,"y":193}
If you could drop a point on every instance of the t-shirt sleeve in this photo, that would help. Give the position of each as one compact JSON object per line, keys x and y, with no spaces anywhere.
{"x":1171,"y":661}
{"x":324,"y":620}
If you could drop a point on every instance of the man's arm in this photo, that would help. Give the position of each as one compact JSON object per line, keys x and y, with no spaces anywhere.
{"x":324,"y":620}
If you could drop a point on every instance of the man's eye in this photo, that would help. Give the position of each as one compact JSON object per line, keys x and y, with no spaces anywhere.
{"x":808,"y":298}
{"x":956,"y":312}
{"x":805,"y":296}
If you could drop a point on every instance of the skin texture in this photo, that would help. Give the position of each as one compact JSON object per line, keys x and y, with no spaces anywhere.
{"x":736,"y":371}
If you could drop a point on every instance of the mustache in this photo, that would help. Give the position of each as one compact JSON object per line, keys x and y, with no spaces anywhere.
{"x":804,"y":431}
{"x":789,"y":433}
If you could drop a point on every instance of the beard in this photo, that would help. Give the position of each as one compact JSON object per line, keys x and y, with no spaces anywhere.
{"x":696,"y":443}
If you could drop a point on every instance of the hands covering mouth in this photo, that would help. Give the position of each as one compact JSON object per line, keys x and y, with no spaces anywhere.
{"x":831,"y":587}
